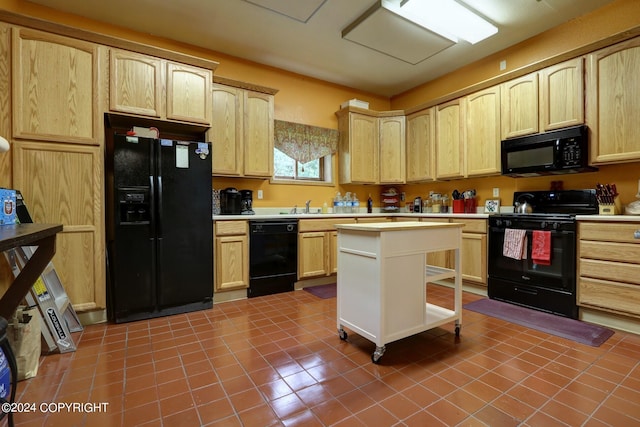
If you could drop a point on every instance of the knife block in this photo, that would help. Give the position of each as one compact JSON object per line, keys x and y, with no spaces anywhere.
{"x":614,"y":208}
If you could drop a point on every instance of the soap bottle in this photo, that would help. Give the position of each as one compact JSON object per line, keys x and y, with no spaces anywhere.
{"x":369,"y":204}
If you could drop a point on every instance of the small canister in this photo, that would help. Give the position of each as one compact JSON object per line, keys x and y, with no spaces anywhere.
{"x":436,"y":203}
{"x":444,"y":207}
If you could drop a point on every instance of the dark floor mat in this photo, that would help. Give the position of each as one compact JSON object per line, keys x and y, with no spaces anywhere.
{"x":322,"y":291}
{"x":575,"y":330}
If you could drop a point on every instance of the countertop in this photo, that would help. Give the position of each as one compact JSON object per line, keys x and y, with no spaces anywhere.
{"x":397,"y":226}
{"x":609,"y":218}
{"x":603,"y":218}
{"x":353,"y":215}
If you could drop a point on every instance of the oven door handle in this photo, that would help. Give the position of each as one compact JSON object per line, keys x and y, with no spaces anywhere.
{"x":526,"y":290}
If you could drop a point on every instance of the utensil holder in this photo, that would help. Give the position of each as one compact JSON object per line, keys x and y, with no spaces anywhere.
{"x":458,"y":206}
{"x":470,"y":205}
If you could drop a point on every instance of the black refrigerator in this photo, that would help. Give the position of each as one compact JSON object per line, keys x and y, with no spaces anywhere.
{"x":159,"y":229}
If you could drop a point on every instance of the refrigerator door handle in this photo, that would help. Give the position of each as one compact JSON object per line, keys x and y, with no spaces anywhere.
{"x":159,"y":218}
{"x":152,"y":202}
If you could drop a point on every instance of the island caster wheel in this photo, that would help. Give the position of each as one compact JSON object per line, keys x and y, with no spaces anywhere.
{"x":375,"y":357}
{"x":342,"y":334}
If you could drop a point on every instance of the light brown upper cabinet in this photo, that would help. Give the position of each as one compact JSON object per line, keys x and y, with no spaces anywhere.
{"x":372,"y":147}
{"x":562,"y":95}
{"x":392,"y":149}
{"x":226,"y":130}
{"x":421,"y":146}
{"x":136,"y":83}
{"x":482,"y":143}
{"x":188,"y":93}
{"x":358,"y":148}
{"x":242,"y":132}
{"x":613,"y":103}
{"x":149,"y":86}
{"x":450,"y":136}
{"x":55,"y":88}
{"x":519,"y":113}
{"x":258,"y":134}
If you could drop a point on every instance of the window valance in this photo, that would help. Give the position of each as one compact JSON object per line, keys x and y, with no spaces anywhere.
{"x":304,"y":143}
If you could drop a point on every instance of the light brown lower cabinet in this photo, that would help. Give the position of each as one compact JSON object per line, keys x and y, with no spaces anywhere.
{"x":317,"y":247}
{"x":63,"y":184}
{"x":231,"y":255}
{"x":609,"y":267}
{"x":443,"y":259}
{"x":313,"y":254}
{"x":473,"y":250}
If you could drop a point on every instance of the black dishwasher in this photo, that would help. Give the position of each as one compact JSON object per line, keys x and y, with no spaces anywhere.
{"x":273,"y":256}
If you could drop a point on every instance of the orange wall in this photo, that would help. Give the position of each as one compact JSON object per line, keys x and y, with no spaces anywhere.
{"x":310,"y":101}
{"x":615,"y":18}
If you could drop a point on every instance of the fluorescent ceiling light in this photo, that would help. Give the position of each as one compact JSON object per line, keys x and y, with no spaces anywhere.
{"x":446,"y":17}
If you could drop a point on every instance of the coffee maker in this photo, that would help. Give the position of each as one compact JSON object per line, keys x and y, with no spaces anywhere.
{"x":246,"y":202}
{"x":230,"y":201}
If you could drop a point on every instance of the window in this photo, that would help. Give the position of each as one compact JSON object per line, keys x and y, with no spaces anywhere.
{"x":303,"y":152}
{"x":286,"y":167}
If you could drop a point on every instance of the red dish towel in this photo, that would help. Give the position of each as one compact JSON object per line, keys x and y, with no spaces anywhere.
{"x":541,"y":247}
{"x":515,"y":243}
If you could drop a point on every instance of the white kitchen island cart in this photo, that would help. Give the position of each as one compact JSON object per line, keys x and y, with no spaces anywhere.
{"x":383,"y":276}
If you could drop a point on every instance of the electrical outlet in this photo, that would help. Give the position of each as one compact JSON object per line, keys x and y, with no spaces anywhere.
{"x":260,"y":194}
{"x":496,"y":192}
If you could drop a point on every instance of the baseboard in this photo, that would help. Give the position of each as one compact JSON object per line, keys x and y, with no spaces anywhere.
{"x":92,"y":317}
{"x":301,"y":284}
{"x":610,"y":320}
{"x":466,"y":287}
{"x":227,"y":296}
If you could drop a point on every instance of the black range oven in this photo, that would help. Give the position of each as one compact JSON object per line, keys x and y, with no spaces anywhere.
{"x":546,"y":286}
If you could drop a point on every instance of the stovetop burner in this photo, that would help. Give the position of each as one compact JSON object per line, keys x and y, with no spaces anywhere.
{"x":561,"y":203}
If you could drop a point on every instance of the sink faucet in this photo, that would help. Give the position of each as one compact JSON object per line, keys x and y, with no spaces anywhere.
{"x":306,"y":206}
{"x":294,"y":210}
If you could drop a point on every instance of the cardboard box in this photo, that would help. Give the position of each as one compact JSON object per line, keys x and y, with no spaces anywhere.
{"x":8,"y":206}
{"x":355,"y":103}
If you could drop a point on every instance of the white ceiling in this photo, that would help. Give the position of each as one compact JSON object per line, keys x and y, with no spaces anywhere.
{"x":305,"y":36}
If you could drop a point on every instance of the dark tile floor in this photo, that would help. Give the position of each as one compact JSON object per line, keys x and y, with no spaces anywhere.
{"x":277,"y":360}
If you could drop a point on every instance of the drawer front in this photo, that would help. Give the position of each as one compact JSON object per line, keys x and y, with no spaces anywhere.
{"x":230,"y":228}
{"x":405,"y":219}
{"x":609,"y":232}
{"x":368,"y":220}
{"x":328,"y":224}
{"x":620,"y":252}
{"x":607,"y":270}
{"x":609,"y":295}
{"x":434,"y":219}
{"x":472,"y":225}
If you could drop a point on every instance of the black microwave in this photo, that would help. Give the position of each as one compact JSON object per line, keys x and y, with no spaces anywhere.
{"x":556,"y":152}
